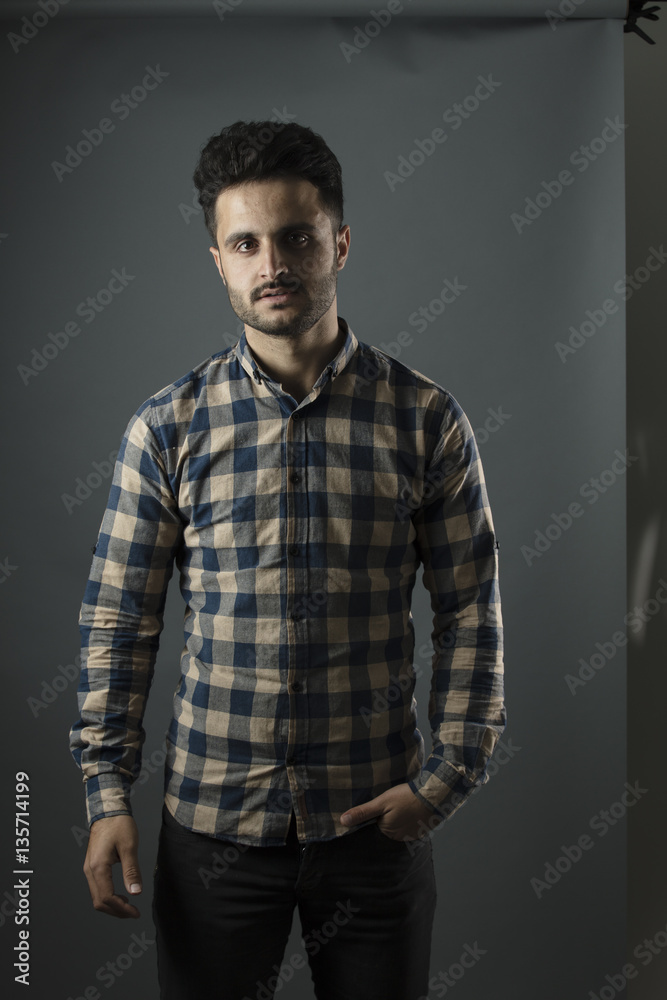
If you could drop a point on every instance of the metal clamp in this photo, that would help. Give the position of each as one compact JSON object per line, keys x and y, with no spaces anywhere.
{"x":635,"y":11}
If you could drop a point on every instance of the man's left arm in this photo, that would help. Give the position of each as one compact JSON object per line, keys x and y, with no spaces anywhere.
{"x":457,"y":545}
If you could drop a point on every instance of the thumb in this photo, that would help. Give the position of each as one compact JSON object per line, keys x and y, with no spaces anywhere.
{"x":359,"y":814}
{"x":131,"y":873}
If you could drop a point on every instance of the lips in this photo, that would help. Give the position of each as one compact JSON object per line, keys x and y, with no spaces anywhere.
{"x":277,"y":291}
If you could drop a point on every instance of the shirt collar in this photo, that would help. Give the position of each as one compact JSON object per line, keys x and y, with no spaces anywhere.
{"x":335,"y":367}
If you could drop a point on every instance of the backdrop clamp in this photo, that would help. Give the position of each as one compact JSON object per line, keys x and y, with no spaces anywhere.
{"x":636,"y":11}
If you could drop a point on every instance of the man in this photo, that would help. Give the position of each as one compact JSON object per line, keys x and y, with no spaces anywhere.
{"x":297,"y":480}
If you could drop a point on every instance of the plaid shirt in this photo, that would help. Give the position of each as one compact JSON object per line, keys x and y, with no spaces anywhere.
{"x":298,"y":530}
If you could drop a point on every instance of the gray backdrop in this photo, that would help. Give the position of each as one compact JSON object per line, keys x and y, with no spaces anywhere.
{"x":532,"y":347}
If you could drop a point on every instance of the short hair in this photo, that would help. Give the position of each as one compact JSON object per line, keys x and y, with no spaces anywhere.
{"x":253,"y":151}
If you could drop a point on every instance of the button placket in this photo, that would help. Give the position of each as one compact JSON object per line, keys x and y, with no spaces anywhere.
{"x":296,"y":532}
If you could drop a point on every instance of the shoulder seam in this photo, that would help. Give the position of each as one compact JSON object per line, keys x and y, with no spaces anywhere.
{"x":198,"y":372}
{"x":399,"y":366}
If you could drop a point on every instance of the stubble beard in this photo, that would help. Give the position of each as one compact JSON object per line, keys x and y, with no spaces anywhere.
{"x":281,"y":321}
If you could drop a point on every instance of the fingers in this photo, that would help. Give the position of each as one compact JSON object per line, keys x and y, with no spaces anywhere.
{"x":367,"y":810}
{"x":130,"y":865}
{"x":112,"y":839}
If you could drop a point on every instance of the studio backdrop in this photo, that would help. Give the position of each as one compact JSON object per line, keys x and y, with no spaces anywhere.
{"x":483,"y":171}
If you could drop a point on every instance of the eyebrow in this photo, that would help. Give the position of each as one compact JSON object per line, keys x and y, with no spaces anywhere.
{"x":247,"y":235}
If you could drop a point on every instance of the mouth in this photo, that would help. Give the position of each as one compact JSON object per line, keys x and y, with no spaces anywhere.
{"x":279,"y":295}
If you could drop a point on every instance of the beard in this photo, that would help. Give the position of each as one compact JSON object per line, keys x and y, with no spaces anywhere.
{"x":293,"y":318}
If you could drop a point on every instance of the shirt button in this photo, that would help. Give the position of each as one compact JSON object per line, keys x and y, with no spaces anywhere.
{"x":293,"y":550}
{"x":297,"y":616}
{"x":295,"y":477}
{"x":296,"y":686}
{"x":289,"y":761}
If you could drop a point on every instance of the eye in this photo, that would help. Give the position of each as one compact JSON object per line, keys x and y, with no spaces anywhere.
{"x":298,"y":239}
{"x":245,"y":243}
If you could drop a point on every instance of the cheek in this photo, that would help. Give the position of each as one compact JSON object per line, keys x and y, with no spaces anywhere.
{"x":238,"y":280}
{"x":313,"y":265}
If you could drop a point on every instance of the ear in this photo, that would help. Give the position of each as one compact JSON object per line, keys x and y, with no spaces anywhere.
{"x":342,"y":245}
{"x":216,"y":257}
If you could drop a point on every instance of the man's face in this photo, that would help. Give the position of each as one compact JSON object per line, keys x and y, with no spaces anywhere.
{"x":274,"y":236}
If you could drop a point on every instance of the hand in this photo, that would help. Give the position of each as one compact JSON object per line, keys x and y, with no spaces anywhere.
{"x":113,"y":839}
{"x":402,"y":816}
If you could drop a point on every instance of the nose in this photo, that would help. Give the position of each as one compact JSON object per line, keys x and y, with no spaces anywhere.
{"x":271,"y":262}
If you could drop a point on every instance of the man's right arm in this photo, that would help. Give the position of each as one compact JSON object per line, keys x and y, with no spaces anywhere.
{"x":120,"y":622}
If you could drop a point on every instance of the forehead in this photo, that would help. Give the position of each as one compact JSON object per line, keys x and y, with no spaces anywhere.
{"x":267,"y":204}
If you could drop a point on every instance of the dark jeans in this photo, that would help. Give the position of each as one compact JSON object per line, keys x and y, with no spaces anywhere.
{"x":223,"y":914}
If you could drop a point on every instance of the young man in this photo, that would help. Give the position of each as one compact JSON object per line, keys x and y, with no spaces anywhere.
{"x":296,"y":480}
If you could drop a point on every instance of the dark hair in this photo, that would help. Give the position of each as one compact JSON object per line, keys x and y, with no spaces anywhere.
{"x":253,"y":151}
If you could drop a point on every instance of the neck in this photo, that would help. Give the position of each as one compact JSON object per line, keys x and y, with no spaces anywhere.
{"x":297,"y":362}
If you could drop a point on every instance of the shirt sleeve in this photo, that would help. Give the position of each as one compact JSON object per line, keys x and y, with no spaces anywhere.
{"x":458,"y":548}
{"x":121,"y":619}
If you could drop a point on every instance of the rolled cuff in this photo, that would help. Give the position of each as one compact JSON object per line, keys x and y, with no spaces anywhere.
{"x":443,"y":787}
{"x":107,"y":795}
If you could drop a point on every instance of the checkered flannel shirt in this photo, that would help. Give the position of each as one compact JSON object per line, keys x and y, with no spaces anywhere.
{"x":298,"y":530}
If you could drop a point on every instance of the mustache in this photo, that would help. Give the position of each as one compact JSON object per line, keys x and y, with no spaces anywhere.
{"x":288,"y":284}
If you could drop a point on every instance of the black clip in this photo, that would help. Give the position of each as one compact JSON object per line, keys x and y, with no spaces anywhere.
{"x":635,"y":11}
